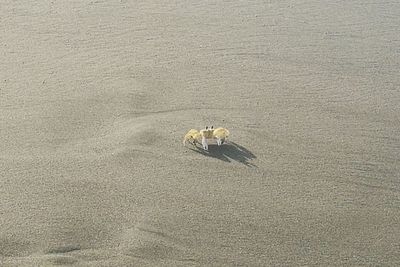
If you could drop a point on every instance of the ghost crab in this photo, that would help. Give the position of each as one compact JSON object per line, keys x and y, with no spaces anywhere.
{"x":203,"y":136}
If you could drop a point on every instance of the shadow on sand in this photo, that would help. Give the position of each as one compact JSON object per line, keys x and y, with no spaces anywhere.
{"x":228,"y":152}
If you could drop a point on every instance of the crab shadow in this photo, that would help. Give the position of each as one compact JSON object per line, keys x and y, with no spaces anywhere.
{"x":228,"y":152}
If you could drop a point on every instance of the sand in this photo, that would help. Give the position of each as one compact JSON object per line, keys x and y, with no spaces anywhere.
{"x":96,"y":97}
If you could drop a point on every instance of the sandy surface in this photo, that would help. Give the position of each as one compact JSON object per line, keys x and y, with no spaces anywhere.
{"x":97,"y":95}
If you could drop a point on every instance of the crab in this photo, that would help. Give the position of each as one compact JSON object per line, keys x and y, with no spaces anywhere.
{"x":194,"y":136}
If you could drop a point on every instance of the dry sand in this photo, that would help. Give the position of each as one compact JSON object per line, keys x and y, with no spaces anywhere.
{"x":97,"y":95}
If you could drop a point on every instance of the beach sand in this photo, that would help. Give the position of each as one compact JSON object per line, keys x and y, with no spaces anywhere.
{"x":96,"y":97}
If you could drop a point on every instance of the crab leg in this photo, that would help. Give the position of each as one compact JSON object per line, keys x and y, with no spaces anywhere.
{"x":219,"y":141}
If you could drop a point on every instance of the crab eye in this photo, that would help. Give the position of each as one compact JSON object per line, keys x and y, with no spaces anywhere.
{"x":212,"y":127}
{"x":206,"y":127}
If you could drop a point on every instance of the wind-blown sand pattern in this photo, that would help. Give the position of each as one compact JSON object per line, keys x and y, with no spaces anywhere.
{"x":96,"y":97}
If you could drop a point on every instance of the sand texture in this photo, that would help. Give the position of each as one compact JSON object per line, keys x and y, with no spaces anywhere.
{"x":96,"y":97}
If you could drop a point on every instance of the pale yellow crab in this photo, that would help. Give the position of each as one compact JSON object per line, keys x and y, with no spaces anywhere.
{"x":203,"y":136}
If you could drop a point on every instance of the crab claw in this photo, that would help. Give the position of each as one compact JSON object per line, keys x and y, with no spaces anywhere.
{"x":204,"y":143}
